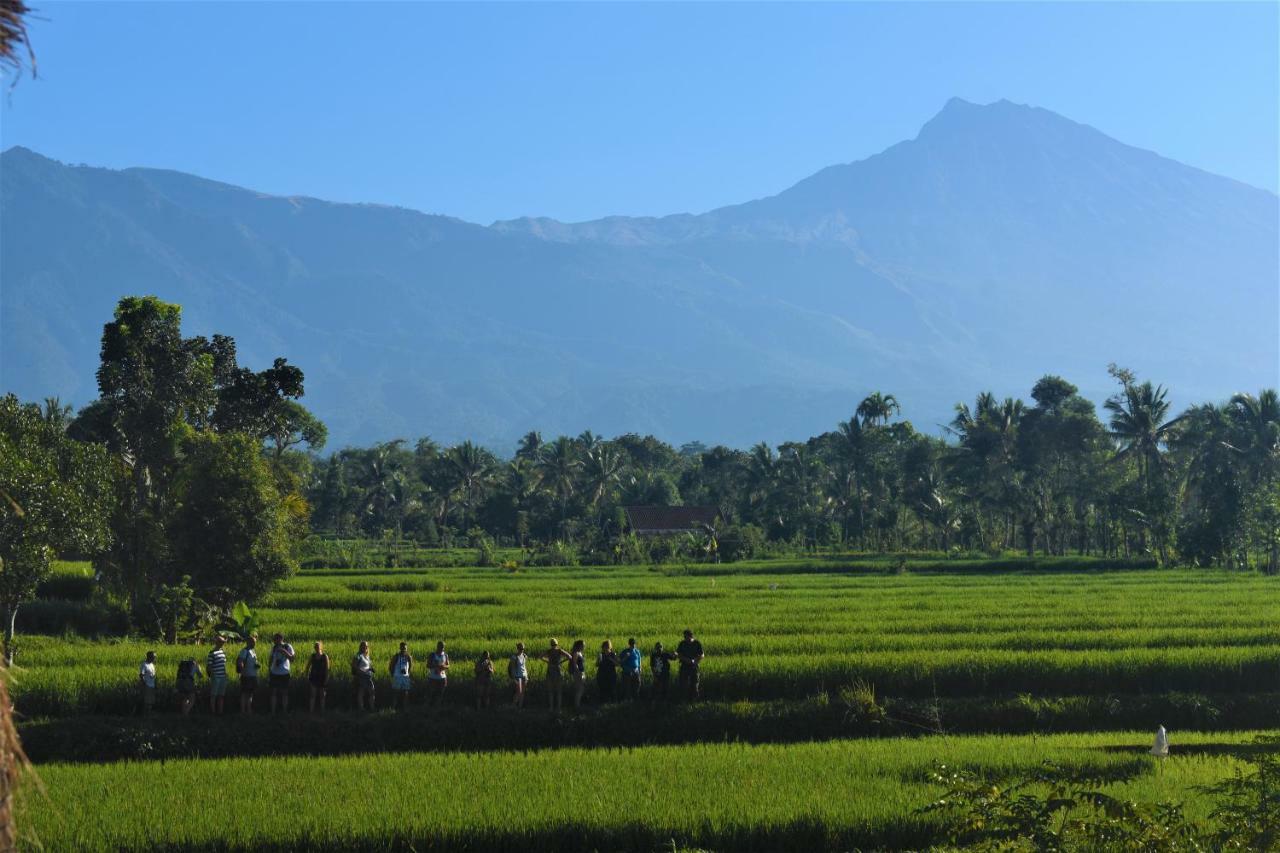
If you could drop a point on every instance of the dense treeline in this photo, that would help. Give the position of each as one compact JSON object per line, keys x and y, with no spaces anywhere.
{"x":186,"y":484}
{"x":1045,"y":476}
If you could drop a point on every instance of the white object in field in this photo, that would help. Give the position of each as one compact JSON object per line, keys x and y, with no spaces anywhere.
{"x":1160,"y":748}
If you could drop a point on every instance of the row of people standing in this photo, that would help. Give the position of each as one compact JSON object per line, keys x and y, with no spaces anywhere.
{"x":618,"y":674}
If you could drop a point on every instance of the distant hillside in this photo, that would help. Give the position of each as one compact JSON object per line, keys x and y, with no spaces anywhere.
{"x":1003,"y":242}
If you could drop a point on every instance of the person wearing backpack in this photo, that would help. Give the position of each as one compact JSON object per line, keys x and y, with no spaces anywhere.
{"x":247,"y":669}
{"x":631,"y":659}
{"x":282,"y":655}
{"x":518,"y":672}
{"x":362,"y":677}
{"x":188,"y":672}
{"x":401,"y":670}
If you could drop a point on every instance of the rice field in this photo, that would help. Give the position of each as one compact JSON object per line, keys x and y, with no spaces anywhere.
{"x":776,"y":757}
{"x":835,"y":795}
{"x":767,"y":637}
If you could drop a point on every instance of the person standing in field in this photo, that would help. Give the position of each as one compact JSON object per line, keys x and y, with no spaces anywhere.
{"x":147,"y":683}
{"x":484,"y":680}
{"x":554,"y":657}
{"x":401,"y":670}
{"x":317,"y":673}
{"x":690,"y":653}
{"x":188,"y":672}
{"x":362,"y":677}
{"x":660,"y":667}
{"x":437,"y":675}
{"x":631,"y":660}
{"x":607,"y":671}
{"x":216,"y":665}
{"x":247,"y":669}
{"x":518,"y":672}
{"x":578,"y":672}
{"x":282,"y":655}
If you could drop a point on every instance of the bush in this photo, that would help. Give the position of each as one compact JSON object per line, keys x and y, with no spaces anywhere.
{"x":556,"y":554}
{"x":86,"y":618}
{"x":66,"y":587}
{"x":741,"y":542}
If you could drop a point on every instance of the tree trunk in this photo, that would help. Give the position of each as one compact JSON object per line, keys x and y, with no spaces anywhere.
{"x":9,"y":613}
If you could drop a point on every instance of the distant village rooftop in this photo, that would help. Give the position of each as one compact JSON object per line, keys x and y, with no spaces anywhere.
{"x":666,"y":520}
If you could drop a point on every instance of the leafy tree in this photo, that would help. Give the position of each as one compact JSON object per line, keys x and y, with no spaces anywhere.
{"x":231,"y":530}
{"x":55,"y":495}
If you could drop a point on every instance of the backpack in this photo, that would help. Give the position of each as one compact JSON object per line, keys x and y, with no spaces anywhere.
{"x":186,"y":670}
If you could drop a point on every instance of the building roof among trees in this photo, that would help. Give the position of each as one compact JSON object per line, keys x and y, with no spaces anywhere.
{"x":669,"y":519}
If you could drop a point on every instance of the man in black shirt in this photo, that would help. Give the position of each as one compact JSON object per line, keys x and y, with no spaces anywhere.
{"x":690,"y":653}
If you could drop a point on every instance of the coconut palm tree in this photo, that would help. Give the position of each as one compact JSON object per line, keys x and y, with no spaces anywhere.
{"x":530,"y":445}
{"x":559,"y":465}
{"x":877,"y":408}
{"x":601,"y":471}
{"x":1139,"y":426}
{"x":470,"y":466}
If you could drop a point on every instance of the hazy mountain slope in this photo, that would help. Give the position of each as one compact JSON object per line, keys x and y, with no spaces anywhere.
{"x":1003,"y":242}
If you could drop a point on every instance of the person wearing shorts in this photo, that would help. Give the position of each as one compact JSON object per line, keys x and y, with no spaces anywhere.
{"x":484,"y":681}
{"x":631,"y":660}
{"x":247,"y":669}
{"x":437,"y":675}
{"x":690,"y":653}
{"x":362,"y":677}
{"x":216,"y":666}
{"x":147,"y":683}
{"x":318,"y":676}
{"x":518,"y":672}
{"x":401,"y":671}
{"x":554,"y":657}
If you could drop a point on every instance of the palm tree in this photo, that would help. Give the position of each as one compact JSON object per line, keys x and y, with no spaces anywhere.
{"x":470,"y":466}
{"x":1256,"y":432}
{"x":852,"y":448}
{"x":559,"y":466}
{"x":530,"y":445}
{"x":1139,"y":427}
{"x":601,"y":469}
{"x":58,"y":414}
{"x":877,"y":408}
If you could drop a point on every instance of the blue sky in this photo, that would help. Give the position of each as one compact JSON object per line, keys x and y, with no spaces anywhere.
{"x":490,"y":111}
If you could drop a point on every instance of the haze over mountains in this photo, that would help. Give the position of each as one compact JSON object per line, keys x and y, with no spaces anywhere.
{"x":1002,"y":243}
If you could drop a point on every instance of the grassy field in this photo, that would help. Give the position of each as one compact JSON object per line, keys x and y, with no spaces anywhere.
{"x":913,"y":636}
{"x":830,"y":796}
{"x":782,"y":753}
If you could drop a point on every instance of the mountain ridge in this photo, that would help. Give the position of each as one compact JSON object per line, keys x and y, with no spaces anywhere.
{"x":926,"y":269}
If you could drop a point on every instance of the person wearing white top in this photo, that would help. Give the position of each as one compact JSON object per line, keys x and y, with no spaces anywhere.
{"x":147,"y":682}
{"x":362,"y":676}
{"x":280,"y":668}
{"x":437,"y":675}
{"x":518,"y":672}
